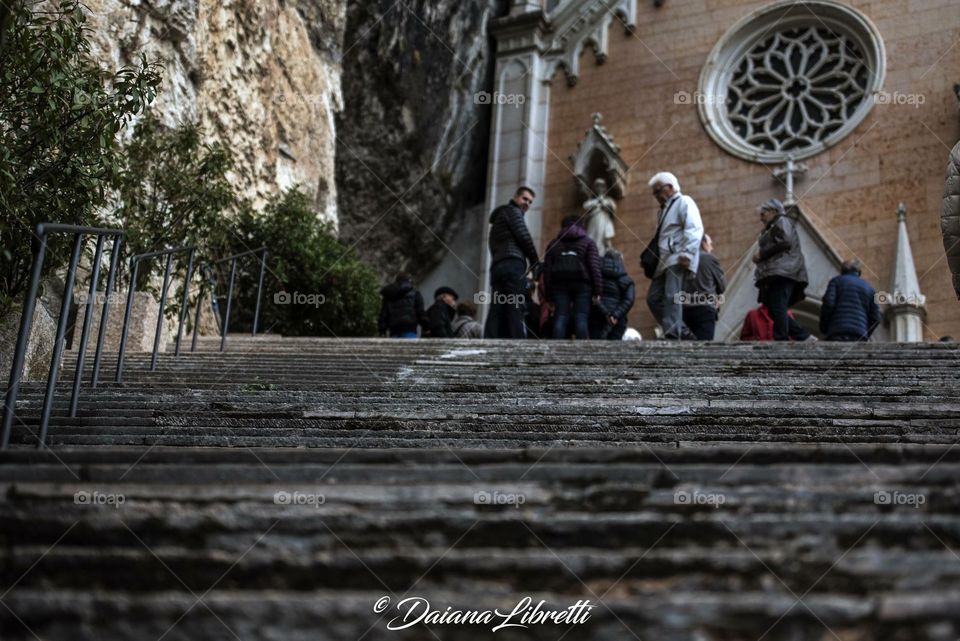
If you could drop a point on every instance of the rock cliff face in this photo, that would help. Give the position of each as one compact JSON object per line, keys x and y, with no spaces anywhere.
{"x":263,"y":76}
{"x":412,"y":140}
{"x":361,"y":102}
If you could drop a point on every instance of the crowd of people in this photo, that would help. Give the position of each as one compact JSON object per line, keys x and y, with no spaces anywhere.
{"x":575,"y":292}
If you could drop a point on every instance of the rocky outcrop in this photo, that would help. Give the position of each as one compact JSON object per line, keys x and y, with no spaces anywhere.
{"x":43,"y":331}
{"x":263,"y":77}
{"x":412,"y":139}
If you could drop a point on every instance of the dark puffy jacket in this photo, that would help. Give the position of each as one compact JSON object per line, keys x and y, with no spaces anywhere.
{"x":575,"y":237}
{"x":440,"y":320}
{"x":509,"y":236}
{"x":619,"y":291}
{"x":849,"y":308}
{"x":780,"y":255}
{"x":950,"y":217}
{"x":401,"y":309}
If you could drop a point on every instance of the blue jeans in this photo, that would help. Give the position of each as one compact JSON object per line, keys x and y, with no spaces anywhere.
{"x":577,"y":296}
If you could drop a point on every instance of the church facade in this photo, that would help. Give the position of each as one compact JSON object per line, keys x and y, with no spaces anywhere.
{"x":844,"y":109}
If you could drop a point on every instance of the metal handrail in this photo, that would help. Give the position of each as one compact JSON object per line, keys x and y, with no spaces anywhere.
{"x":233,"y":271}
{"x":43,"y":230}
{"x":134,"y":271}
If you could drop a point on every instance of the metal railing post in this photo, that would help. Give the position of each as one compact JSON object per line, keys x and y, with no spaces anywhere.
{"x":85,"y":332}
{"x":60,"y":340}
{"x":196,"y":316}
{"x":134,"y":268}
{"x":183,"y":303}
{"x":226,"y":318}
{"x":23,"y":335}
{"x":163,"y":304}
{"x":104,"y":316}
{"x":256,"y":313}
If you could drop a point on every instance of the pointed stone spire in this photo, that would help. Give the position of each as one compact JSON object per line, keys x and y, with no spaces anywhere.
{"x":906,"y":305}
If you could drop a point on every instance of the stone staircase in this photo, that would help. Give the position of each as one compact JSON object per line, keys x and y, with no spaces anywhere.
{"x":690,"y":492}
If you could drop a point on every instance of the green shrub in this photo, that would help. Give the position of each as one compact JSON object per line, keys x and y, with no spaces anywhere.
{"x":173,"y":191}
{"x":305,"y":260}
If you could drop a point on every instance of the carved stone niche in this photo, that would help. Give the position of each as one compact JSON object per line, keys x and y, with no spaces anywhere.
{"x":598,"y":156}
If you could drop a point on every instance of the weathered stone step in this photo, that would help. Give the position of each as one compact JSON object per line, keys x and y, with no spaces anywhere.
{"x":137,"y":568}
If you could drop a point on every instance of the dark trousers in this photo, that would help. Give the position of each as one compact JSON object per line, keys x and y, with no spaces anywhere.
{"x":702,"y":321}
{"x":507,"y":298}
{"x":776,"y":295}
{"x":571,"y":299}
{"x":601,"y":329}
{"x":847,"y":338}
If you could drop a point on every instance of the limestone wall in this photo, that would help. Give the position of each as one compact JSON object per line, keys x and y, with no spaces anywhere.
{"x":262,"y":76}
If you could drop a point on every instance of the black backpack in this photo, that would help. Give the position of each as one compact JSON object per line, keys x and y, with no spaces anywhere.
{"x":403,"y":311}
{"x":564,"y":263}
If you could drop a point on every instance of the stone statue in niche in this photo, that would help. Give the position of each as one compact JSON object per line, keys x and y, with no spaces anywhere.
{"x":598,"y":214}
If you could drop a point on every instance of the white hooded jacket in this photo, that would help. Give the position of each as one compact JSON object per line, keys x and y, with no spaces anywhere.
{"x":681,"y":231}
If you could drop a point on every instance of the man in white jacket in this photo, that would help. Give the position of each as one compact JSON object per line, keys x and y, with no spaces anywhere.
{"x":680,"y":233}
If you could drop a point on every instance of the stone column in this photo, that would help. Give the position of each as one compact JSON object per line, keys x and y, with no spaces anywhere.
{"x":521,"y":110}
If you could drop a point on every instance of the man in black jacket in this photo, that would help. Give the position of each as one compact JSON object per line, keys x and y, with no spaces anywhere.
{"x":401,"y":310}
{"x":440,"y":314}
{"x":511,"y":248}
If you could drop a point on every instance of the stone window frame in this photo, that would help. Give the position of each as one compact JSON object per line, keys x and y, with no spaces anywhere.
{"x":759,"y":25}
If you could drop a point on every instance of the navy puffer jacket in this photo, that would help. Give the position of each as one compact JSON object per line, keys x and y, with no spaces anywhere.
{"x":619,"y":291}
{"x":849,"y":308}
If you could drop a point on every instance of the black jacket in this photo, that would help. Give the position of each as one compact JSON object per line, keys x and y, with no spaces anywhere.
{"x":849,"y":308}
{"x":619,"y":291}
{"x":509,"y":236}
{"x":440,"y":320}
{"x":710,"y":281}
{"x":401,"y":309}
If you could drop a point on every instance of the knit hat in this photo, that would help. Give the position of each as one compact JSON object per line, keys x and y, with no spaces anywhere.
{"x":445,"y":290}
{"x":774,"y":205}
